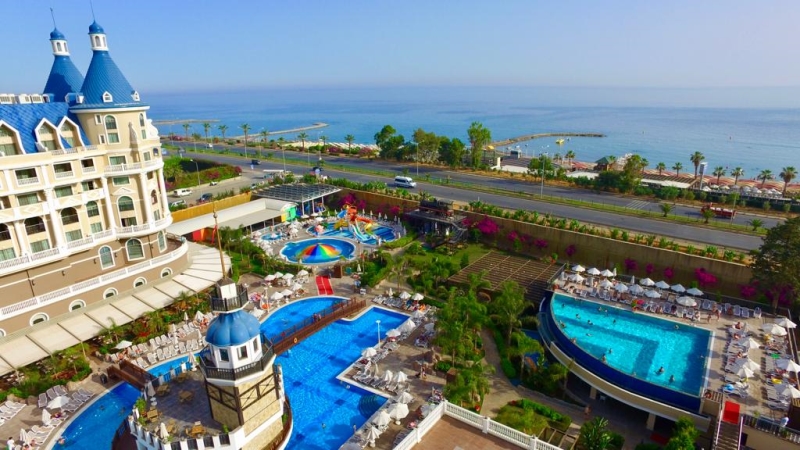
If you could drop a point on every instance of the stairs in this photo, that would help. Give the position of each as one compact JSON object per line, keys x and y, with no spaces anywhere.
{"x":368,"y":405}
{"x":728,"y":437}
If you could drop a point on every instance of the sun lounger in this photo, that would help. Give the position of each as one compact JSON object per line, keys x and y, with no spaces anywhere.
{"x":737,"y":310}
{"x":51,"y":394}
{"x":757,"y":313}
{"x":42,"y":400}
{"x":780,"y":406}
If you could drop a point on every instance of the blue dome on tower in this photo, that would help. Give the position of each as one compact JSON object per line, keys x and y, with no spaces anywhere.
{"x":56,"y":35}
{"x":95,"y":28}
{"x":234,"y":328}
{"x":64,"y":77}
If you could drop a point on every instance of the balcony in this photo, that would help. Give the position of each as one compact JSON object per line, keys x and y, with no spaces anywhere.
{"x":79,"y":243}
{"x":24,"y":212}
{"x":222,"y":304}
{"x":27,"y":181}
{"x":133,"y":167}
{"x":133,"y":229}
{"x":207,"y":366}
{"x":62,"y":175}
{"x":89,"y":169}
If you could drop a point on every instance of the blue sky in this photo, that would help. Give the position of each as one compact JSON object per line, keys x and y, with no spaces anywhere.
{"x":181,"y":45}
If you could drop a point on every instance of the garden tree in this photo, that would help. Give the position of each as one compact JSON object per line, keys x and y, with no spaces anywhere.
{"x":471,"y":384}
{"x":542,"y":164}
{"x":525,"y":346}
{"x":666,"y":208}
{"x":303,"y":136}
{"x":718,"y":172}
{"x":349,"y":139}
{"x":776,"y":264}
{"x":631,"y":175}
{"x":570,"y":155}
{"x":765,"y":175}
{"x":195,"y":137}
{"x":696,"y":158}
{"x":507,"y":307}
{"x":206,"y":127}
{"x":736,"y":173}
{"x":756,"y":224}
{"x":324,"y":140}
{"x":427,"y":145}
{"x":172,"y":168}
{"x":684,"y":434}
{"x":787,"y":175}
{"x":264,"y":137}
{"x":186,"y":127}
{"x":677,"y":167}
{"x":660,"y":167}
{"x":479,"y":137}
{"x":594,"y":435}
{"x":223,"y":129}
{"x":389,"y":142}
{"x":607,"y":180}
{"x":281,"y":141}
{"x":155,"y":322}
{"x":451,"y":151}
{"x":399,"y":267}
{"x":558,"y":157}
{"x":246,"y":128}
{"x":707,"y":214}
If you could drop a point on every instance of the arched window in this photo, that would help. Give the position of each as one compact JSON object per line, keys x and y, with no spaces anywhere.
{"x":39,"y":318}
{"x":162,"y":241}
{"x":106,"y":257}
{"x":111,"y":127}
{"x":135,"y":249}
{"x":34,"y":225}
{"x":165,"y":272}
{"x":125,"y":203}
{"x":69,"y":216}
{"x":97,"y":41}
{"x":8,"y":141}
{"x":92,"y":210}
{"x":141,"y":120}
{"x":5,"y":234}
{"x":2,"y":332}
{"x":58,"y":46}
{"x":154,"y":197}
{"x":139,"y":282}
{"x":77,"y":304}
{"x":110,"y":292}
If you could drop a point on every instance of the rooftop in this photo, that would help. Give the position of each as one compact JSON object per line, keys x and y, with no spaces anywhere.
{"x":298,"y":193}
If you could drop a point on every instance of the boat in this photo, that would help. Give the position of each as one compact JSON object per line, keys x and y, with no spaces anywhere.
{"x":560,"y":141}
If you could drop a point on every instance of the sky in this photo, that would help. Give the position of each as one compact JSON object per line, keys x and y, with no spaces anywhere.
{"x":181,"y":45}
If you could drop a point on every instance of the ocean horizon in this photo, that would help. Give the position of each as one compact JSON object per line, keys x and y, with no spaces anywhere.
{"x":755,"y":138}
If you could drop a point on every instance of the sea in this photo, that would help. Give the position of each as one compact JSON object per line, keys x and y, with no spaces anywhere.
{"x":754,"y":139}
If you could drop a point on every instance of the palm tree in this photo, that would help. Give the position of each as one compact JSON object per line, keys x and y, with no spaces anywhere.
{"x":718,"y":172}
{"x":765,"y":175}
{"x":206,"y":127}
{"x":644,"y":164}
{"x":787,"y":175}
{"x":594,"y":434}
{"x":186,"y":127}
{"x":736,"y":173}
{"x":525,"y":346}
{"x":399,"y":267}
{"x":222,"y":129}
{"x":696,"y":158}
{"x":508,"y":306}
{"x":570,"y":156}
{"x":666,"y":208}
{"x":349,"y":139}
{"x":557,"y":157}
{"x":324,"y":140}
{"x":245,"y":127}
{"x":303,"y":136}
{"x":611,"y":161}
{"x":660,"y":167}
{"x":264,"y":135}
{"x":677,"y":168}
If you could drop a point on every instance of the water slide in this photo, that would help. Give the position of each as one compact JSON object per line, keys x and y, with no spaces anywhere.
{"x":363,"y":237}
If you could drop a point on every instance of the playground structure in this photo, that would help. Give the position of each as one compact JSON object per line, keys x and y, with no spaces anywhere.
{"x":349,"y":217}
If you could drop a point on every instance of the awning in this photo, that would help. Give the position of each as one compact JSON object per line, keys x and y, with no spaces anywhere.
{"x":108,"y":316}
{"x":21,"y":351}
{"x":82,"y":327}
{"x":249,"y":213}
{"x":131,"y":306}
{"x":193,"y":283}
{"x":53,"y":338}
{"x":173,"y":289}
{"x":208,"y":275}
{"x":153,"y":297}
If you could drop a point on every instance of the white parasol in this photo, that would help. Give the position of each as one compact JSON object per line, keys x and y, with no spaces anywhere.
{"x":297,"y":287}
{"x":287,"y":293}
{"x":393,"y":333}
{"x":785,"y":323}
{"x":694,"y":291}
{"x":278,"y":274}
{"x":647,"y":282}
{"x":686,"y":301}
{"x":576,"y":278}
{"x":787,"y":390}
{"x":46,"y":417}
{"x":652,"y":293}
{"x":302,"y":273}
{"x":390,"y":293}
{"x":593,"y":271}
{"x":607,"y":273}
{"x":620,"y":287}
{"x":744,"y":372}
{"x":578,"y":268}
{"x":678,"y":288}
{"x":369,"y":352}
{"x":787,"y":365}
{"x":269,"y":277}
{"x":408,"y":326}
{"x":23,"y":436}
{"x":288,"y":276}
{"x":387,"y":376}
{"x":185,"y":316}
{"x":123,"y":345}
{"x":58,"y":402}
{"x":276,"y":296}
{"x":151,"y":391}
{"x":429,"y":326}
{"x":636,"y":289}
{"x":417,"y":297}
{"x":662,"y":285}
{"x":383,"y":419}
{"x":404,"y":397}
{"x":405,"y":295}
{"x":605,"y":284}
{"x":418,"y":314}
{"x":774,"y":329}
{"x":400,"y":410}
{"x":748,"y":343}
{"x":371,"y":435}
{"x":400,"y":377}
{"x":162,"y":432}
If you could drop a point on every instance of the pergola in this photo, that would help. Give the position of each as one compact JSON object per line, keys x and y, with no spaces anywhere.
{"x":298,"y":193}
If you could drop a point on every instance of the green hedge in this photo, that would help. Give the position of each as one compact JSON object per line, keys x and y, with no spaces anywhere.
{"x":556,"y":419}
{"x":508,"y":368}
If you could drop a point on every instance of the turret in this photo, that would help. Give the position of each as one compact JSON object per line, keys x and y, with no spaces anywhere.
{"x":64,"y":77}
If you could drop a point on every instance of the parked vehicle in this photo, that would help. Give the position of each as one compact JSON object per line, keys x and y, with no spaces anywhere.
{"x":182,"y":192}
{"x":724,"y":213}
{"x":213,"y":183}
{"x":404,"y":182}
{"x":177,"y":203}
{"x":205,"y":198}
{"x":255,"y":162}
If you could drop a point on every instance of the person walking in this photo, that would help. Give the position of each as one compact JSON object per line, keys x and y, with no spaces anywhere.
{"x":10,"y":443}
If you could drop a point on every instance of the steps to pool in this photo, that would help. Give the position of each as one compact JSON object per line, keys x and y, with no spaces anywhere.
{"x":369,"y":404}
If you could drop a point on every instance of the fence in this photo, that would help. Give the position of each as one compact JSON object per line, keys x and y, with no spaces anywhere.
{"x":309,"y":326}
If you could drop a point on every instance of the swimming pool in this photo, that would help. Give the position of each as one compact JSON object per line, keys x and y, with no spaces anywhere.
{"x":637,"y":344}
{"x":285,"y":318}
{"x":318,"y":250}
{"x":385,"y":233}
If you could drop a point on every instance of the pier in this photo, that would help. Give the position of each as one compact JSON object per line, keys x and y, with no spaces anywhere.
{"x":183,"y":121}
{"x":313,"y":126}
{"x":530,"y":137}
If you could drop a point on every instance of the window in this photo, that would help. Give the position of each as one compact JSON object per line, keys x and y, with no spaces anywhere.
{"x":26,"y":174}
{"x":144,"y":134}
{"x":162,"y":241}
{"x":139,"y":282}
{"x":28,"y":199}
{"x":125,"y":204}
{"x":62,"y":168}
{"x":63,"y":191}
{"x":46,"y":137}
{"x":156,"y":215}
{"x":141,"y":119}
{"x":256,"y":346}
{"x":109,"y":293}
{"x":111,"y":126}
{"x":96,"y":227}
{"x":223,"y":355}
{"x":135,"y":97}
{"x":121,"y":181}
{"x":89,"y":185}
{"x":34,"y":225}
{"x":40,"y":246}
{"x":107,"y":97}
{"x":153,"y":197}
{"x":102,"y":138}
{"x":5,"y":233}
{"x":147,"y":156}
{"x":88,"y":165}
{"x":6,"y":254}
{"x":39,"y":318}
{"x":77,"y":304}
{"x":242,"y":351}
{"x":69,"y":216}
{"x":73,"y":235}
{"x":115,"y":160}
{"x":166,"y":272}
{"x":8,"y":144}
{"x":97,"y":119}
{"x":135,"y":249}
{"x":92,"y":210}
{"x":113,"y":138}
{"x":106,"y":257}
{"x":128,"y":221}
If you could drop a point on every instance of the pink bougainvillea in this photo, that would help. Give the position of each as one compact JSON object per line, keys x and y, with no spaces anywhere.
{"x":630,"y":265}
{"x":513,"y":236}
{"x":704,"y":278}
{"x":669,"y":272}
{"x":487,"y":226}
{"x":747,"y":290}
{"x":541,"y":244}
{"x":526,"y":238}
{"x":649,"y":268}
{"x":570,"y":250}
{"x":395,"y":210}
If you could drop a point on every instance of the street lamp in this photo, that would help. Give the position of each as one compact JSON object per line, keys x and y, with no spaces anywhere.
{"x":197,"y":171}
{"x":541,"y":167}
{"x":379,"y":331}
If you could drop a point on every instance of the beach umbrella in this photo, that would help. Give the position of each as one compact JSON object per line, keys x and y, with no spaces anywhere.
{"x":678,"y":288}
{"x":784,"y":390}
{"x":785,"y":323}
{"x":593,"y":271}
{"x":620,"y":287}
{"x":694,"y":291}
{"x":123,"y":345}
{"x":269,"y":277}
{"x":134,"y":412}
{"x":787,"y":365}
{"x":288,"y":276}
{"x":404,"y":397}
{"x":390,"y":293}
{"x":430,"y":326}
{"x":748,"y":343}
{"x":387,"y":376}
{"x":662,"y":285}
{"x":399,"y":411}
{"x":647,"y":282}
{"x":578,"y":268}
{"x":278,"y":274}
{"x":46,"y":417}
{"x":151,"y":391}
{"x":23,"y":436}
{"x":400,"y":377}
{"x":635,"y":289}
{"x":198,"y":316}
{"x":417,"y":297}
{"x":408,"y":326}
{"x":382,"y":419}
{"x":605,"y":284}
{"x":418,"y":314}
{"x":171,"y":373}
{"x":405,"y":295}
{"x":576,"y":278}
{"x":302,"y":273}
{"x":369,"y":352}
{"x":183,"y":367}
{"x":393,"y":333}
{"x":744,"y":372}
{"x":297,"y":287}
{"x":371,"y":435}
{"x":172,"y":328}
{"x":650,"y":293}
{"x":162,"y":432}
{"x":607,"y":273}
{"x":686,"y":301}
{"x":276,"y":296}
{"x":774,"y":329}
{"x":287,"y":292}
{"x":185,"y":316}
{"x":58,"y":402}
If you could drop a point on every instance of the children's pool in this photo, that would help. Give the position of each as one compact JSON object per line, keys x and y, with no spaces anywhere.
{"x":318,"y":250}
{"x":386,"y":234}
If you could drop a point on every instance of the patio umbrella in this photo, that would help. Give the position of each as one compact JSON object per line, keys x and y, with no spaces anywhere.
{"x":417,"y":297}
{"x":678,"y":288}
{"x":748,"y":343}
{"x":576,"y":278}
{"x":593,"y":271}
{"x":371,"y":435}
{"x":400,"y":377}
{"x":662,"y":285}
{"x":607,"y":273}
{"x":58,"y":402}
{"x":746,"y":362}
{"x":686,"y":301}
{"x":788,"y":365}
{"x":276,"y":296}
{"x":171,"y":372}
{"x":183,"y":367}
{"x":418,"y":314}
{"x":400,"y":410}
{"x":578,"y":268}
{"x":23,"y":436}
{"x":785,"y":390}
{"x":288,"y":276}
{"x":390,"y":293}
{"x":409,"y":325}
{"x":123,"y":345}
{"x":162,"y":432}
{"x":134,"y":412}
{"x":404,"y":397}
{"x":369,"y":352}
{"x":694,"y":291}
{"x":46,"y":417}
{"x":647,"y":282}
{"x":151,"y":391}
{"x":785,"y":323}
{"x":383,"y":419}
{"x":774,"y":329}
{"x":620,"y":287}
{"x":744,"y":372}
{"x":605,"y":284}
{"x":635,"y":289}
{"x":287,"y":292}
{"x":278,"y":274}
{"x":297,"y":287}
{"x":302,"y":273}
{"x":650,"y":293}
{"x":393,"y":333}
{"x":405,"y":295}
{"x":430,"y":326}
{"x":387,"y":376}
{"x":269,"y":277}
{"x":185,"y":316}
{"x":198,"y":316}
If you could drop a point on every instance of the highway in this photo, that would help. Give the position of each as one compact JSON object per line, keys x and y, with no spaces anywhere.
{"x":720,"y":239}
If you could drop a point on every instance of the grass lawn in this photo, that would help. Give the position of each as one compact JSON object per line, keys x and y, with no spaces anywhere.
{"x":473,"y":252}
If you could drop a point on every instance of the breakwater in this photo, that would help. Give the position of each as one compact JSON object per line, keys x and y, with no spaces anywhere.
{"x":313,"y":126}
{"x":530,"y":137}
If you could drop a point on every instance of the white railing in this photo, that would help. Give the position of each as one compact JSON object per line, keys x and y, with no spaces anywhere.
{"x":115,"y":168}
{"x":89,"y":169}
{"x":15,"y":262}
{"x":80,"y":242}
{"x":83,"y":286}
{"x":27,"y":181}
{"x":463,"y":415}
{"x":104,"y":234}
{"x":55,"y":251}
{"x":68,"y":174}
{"x":134,"y":228}
{"x":65,"y":151}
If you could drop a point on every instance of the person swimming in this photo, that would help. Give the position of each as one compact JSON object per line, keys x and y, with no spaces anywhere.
{"x":671,"y":378}
{"x":660,"y":370}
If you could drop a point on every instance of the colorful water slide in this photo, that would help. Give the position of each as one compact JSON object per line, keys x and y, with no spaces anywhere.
{"x":363,"y":237}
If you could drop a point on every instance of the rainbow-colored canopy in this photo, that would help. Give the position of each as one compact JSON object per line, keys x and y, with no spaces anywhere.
{"x":319,"y":251}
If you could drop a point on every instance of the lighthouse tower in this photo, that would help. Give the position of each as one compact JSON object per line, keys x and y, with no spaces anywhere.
{"x":244,"y":391}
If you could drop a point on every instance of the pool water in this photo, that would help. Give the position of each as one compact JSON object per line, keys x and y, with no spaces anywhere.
{"x":385,"y":233}
{"x":318,"y":250}
{"x":637,"y":343}
{"x":285,"y":318}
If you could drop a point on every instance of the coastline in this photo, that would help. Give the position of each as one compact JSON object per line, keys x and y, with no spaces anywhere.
{"x":530,"y":137}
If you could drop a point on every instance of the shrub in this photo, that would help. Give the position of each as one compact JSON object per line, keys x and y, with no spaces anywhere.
{"x":648,"y":446}
{"x":508,"y":368}
{"x":617,"y":441}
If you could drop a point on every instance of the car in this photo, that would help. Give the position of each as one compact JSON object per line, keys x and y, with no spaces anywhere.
{"x":177,"y":204}
{"x":205,"y":198}
{"x":181,"y":192}
{"x":255,"y":162}
{"x":213,"y":183}
{"x":404,"y":182}
{"x":211,"y":146}
{"x":254,"y":186}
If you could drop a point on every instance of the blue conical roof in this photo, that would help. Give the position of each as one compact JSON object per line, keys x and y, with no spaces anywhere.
{"x":95,"y":28}
{"x":234,"y":328}
{"x":64,"y":78}
{"x":104,"y":76}
{"x":56,"y":35}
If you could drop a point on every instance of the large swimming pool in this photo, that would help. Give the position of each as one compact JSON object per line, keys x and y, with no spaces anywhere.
{"x":637,"y":344}
{"x":318,"y":250}
{"x":285,"y":318}
{"x":386,"y":234}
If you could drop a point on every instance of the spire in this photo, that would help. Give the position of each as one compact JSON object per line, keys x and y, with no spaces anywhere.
{"x":64,"y":77}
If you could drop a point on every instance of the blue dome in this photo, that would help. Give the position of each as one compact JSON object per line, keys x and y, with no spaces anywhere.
{"x":235,"y":328}
{"x":56,"y":35}
{"x":95,"y":28}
